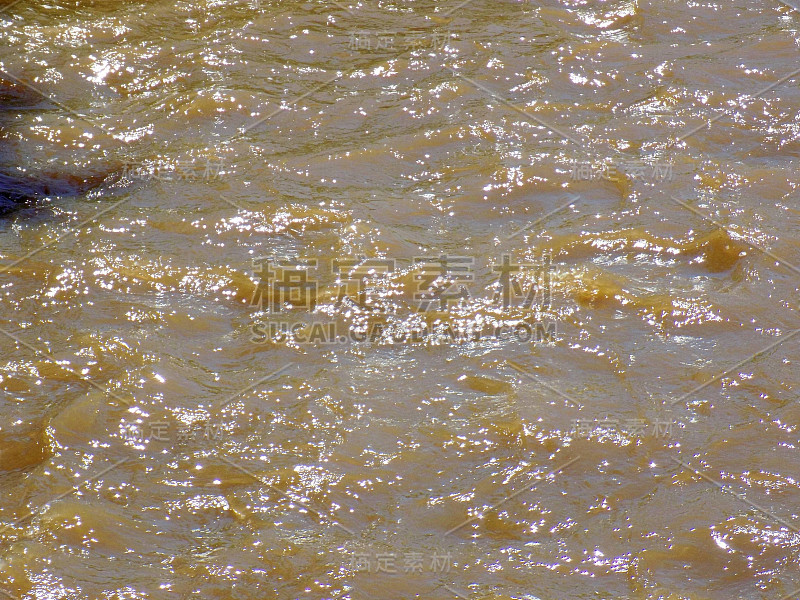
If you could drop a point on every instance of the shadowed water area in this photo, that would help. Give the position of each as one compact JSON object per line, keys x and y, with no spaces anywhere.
{"x":25,"y":175}
{"x":382,"y":300}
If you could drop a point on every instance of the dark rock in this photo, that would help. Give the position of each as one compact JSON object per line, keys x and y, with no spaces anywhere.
{"x":18,"y":191}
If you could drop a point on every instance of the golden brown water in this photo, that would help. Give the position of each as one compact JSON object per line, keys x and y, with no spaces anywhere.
{"x":229,"y":370}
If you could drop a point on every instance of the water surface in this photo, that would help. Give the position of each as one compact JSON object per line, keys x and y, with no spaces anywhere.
{"x":634,"y":161}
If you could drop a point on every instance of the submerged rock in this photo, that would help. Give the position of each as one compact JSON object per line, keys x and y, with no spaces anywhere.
{"x":19,"y":190}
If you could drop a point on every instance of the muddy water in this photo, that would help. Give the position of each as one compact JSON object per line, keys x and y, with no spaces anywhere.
{"x":400,"y":300}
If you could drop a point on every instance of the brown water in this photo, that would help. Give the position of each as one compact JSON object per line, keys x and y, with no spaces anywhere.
{"x":159,"y":440}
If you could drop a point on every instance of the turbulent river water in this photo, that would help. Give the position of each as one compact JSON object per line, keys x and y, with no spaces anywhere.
{"x":399,"y":299}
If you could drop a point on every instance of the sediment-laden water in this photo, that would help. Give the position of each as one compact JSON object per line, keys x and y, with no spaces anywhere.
{"x":399,"y":300}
